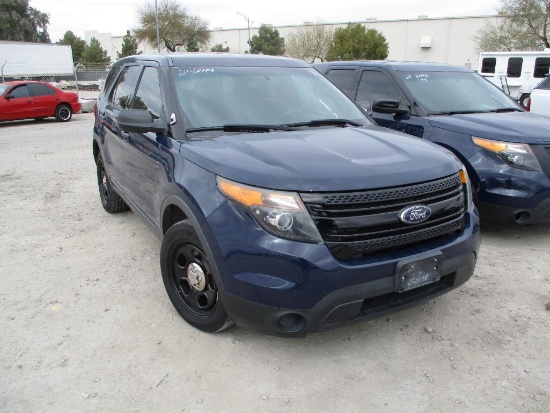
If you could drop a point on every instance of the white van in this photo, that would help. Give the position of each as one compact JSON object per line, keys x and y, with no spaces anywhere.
{"x":517,"y":73}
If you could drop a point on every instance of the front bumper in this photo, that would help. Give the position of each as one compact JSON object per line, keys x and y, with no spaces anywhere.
{"x":289,"y":288}
{"x":510,"y":195}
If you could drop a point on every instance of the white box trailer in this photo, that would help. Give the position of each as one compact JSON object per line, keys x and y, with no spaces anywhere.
{"x":517,"y":73}
{"x":32,"y":60}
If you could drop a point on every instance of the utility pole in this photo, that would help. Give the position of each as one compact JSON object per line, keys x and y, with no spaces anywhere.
{"x":157,"y":21}
{"x":248,"y":27}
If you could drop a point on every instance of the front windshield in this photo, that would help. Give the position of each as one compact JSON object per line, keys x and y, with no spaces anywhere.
{"x":3,"y":88}
{"x":456,"y":92}
{"x":214,"y":97}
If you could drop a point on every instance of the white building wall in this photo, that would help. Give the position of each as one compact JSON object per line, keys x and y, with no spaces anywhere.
{"x":452,"y":38}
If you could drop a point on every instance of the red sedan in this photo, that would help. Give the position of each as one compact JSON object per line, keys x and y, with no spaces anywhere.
{"x":36,"y":100}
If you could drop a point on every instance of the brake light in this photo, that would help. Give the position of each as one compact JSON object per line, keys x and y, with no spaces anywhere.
{"x":528,"y":108}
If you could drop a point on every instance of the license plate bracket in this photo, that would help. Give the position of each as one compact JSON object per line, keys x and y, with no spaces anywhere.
{"x":414,"y":273}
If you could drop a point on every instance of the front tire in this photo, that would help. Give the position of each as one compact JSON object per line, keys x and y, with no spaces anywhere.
{"x":190,"y":280}
{"x":63,"y":113}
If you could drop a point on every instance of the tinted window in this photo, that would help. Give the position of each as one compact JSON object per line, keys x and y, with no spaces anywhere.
{"x":124,"y":90}
{"x":38,"y":89}
{"x":20,"y":91}
{"x":148,"y":93}
{"x":343,"y":79}
{"x":374,"y":87}
{"x":542,"y":65}
{"x":514,"y":66}
{"x":488,"y":65}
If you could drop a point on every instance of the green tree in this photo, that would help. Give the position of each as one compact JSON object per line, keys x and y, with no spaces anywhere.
{"x":177,"y":27}
{"x":267,"y":41}
{"x":524,"y":25}
{"x":129,"y":46}
{"x":94,"y":54}
{"x":309,"y":43}
{"x":22,"y":23}
{"x":218,"y":47}
{"x":77,"y":45}
{"x":355,"y":42}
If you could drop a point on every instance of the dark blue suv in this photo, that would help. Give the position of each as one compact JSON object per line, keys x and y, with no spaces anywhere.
{"x":280,"y":205}
{"x":505,"y":149}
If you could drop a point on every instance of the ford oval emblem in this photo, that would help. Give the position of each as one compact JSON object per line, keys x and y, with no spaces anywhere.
{"x":415,"y":214}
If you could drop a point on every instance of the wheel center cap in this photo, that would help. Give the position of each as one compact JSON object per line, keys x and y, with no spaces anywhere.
{"x":196,"y":277}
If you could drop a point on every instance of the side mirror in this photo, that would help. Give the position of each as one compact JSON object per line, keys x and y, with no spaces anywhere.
{"x":389,"y":106}
{"x":8,"y":97}
{"x":140,"y":121}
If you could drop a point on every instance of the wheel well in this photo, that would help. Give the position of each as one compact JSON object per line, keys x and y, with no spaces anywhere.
{"x":172,"y":215}
{"x":95,"y":148}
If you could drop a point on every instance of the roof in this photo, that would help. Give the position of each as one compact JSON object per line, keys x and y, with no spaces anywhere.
{"x":217,"y":60}
{"x":400,"y":66}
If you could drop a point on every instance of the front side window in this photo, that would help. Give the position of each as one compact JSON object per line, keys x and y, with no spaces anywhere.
{"x":20,"y":92}
{"x":374,"y":87}
{"x":488,"y":65}
{"x":148,"y":93}
{"x":514,"y":67}
{"x":542,"y":67}
{"x":456,"y":92}
{"x":125,"y":87}
{"x":218,"y":96}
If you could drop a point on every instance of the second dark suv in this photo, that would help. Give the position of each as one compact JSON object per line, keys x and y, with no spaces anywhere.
{"x":280,"y":205}
{"x":505,"y":149}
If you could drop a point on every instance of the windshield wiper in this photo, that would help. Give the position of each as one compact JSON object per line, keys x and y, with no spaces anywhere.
{"x":504,"y":110}
{"x":342,"y":123}
{"x":457,"y":112}
{"x":239,"y":128}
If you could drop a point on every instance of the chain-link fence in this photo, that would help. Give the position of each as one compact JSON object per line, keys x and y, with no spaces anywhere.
{"x":82,"y":78}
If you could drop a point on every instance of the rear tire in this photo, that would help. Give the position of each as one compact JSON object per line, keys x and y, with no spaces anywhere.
{"x":524,"y":99}
{"x":63,"y":113}
{"x":110,"y":200}
{"x":190,"y":280}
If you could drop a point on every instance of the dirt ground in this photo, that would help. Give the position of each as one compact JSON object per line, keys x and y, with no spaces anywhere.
{"x":86,"y":325}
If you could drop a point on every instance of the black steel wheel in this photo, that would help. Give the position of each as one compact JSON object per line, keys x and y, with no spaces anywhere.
{"x":63,"y":113}
{"x":190,"y":279}
{"x":110,"y":200}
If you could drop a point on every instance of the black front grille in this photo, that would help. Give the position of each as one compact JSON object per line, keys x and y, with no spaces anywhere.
{"x":357,"y":223}
{"x":542,"y":152}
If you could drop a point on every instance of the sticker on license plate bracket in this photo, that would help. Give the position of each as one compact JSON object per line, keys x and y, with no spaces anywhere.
{"x":416,"y":273}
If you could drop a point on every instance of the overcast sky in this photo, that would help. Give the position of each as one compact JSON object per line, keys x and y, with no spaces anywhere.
{"x":116,"y":16}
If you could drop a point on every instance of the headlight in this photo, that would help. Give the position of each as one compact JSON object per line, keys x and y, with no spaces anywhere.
{"x":467,"y":186}
{"x":518,"y":155}
{"x":281,"y":213}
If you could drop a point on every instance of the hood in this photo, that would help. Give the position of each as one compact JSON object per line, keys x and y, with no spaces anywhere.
{"x":521,"y":127}
{"x":322,"y":159}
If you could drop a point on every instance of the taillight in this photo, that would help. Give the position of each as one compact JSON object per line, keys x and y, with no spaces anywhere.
{"x":528,"y":108}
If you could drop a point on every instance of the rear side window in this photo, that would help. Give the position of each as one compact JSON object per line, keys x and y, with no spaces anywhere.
{"x":343,"y":78}
{"x":374,"y":87}
{"x":148,"y":94}
{"x":488,"y":65}
{"x":514,"y":67}
{"x":20,"y":92}
{"x":542,"y":65}
{"x":125,"y":87}
{"x":38,"y":89}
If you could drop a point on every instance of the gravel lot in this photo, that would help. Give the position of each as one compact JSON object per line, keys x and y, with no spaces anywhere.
{"x":86,"y":324}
